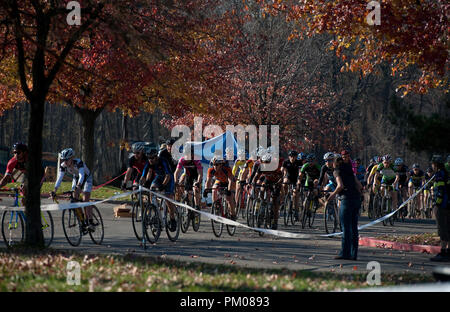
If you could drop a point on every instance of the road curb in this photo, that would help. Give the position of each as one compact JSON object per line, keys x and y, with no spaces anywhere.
{"x":372,"y":242}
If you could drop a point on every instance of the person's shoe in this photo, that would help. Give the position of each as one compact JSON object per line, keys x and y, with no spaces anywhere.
{"x":275,"y":225}
{"x":173,"y":225}
{"x":443,"y":256}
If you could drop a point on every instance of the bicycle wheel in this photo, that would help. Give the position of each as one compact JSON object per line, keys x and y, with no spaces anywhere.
{"x":242,"y":204}
{"x":13,"y":228}
{"x":173,"y":236}
{"x":305,"y":211}
{"x":231,"y":229}
{"x":390,"y":209}
{"x":196,"y":219}
{"x":152,"y":224}
{"x":261,"y":217}
{"x":330,"y":219}
{"x":249,"y":211}
{"x":185,"y":215}
{"x":370,"y":213}
{"x":312,"y":216}
{"x":136,"y":219}
{"x":217,"y":227}
{"x":98,"y":232}
{"x":48,"y":229}
{"x":284,"y":210}
{"x":71,"y":227}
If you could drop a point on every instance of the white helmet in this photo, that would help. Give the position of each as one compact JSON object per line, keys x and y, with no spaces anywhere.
{"x":266,"y":157}
{"x":66,"y":154}
{"x":138,"y":147}
{"x":328,"y":156}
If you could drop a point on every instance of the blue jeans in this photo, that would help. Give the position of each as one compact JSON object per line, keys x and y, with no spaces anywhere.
{"x":348,"y":213}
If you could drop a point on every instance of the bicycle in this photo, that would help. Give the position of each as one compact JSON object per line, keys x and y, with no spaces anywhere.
{"x":428,"y":203}
{"x":265,"y":214}
{"x":251,"y":198}
{"x":242,"y":200}
{"x":331,"y":216}
{"x":413,"y":205}
{"x":13,"y":224}
{"x":156,"y":216}
{"x":386,"y":203}
{"x":287,"y":207}
{"x":220,"y":208}
{"x":76,"y":225}
{"x":309,"y":208}
{"x":186,"y":214}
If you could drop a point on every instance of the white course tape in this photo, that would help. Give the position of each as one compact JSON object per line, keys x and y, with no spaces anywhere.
{"x":55,"y":207}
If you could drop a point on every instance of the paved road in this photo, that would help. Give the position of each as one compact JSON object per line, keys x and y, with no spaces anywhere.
{"x":246,"y":248}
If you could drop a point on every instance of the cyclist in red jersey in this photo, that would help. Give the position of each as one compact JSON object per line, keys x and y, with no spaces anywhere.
{"x":16,"y":167}
{"x":136,"y":165}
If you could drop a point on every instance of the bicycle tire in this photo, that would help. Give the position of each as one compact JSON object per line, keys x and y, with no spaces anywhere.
{"x":305,"y":213}
{"x":249,"y":211}
{"x":312,"y":215}
{"x":185,"y":215}
{"x":390,"y":209}
{"x":136,"y":219}
{"x":172,"y":236}
{"x":217,"y":227}
{"x":284,"y":210}
{"x":71,"y":227}
{"x":152,"y":224}
{"x":48,"y":228}
{"x":99,"y":230}
{"x":330,"y":219}
{"x":196,"y":219}
{"x":231,"y":229}
{"x":260,"y":218}
{"x":12,"y":235}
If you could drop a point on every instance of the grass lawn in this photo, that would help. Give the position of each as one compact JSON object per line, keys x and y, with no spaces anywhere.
{"x":101,"y":193}
{"x":24,"y":270}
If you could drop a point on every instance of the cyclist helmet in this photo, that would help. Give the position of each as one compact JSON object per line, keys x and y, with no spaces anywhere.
{"x":311,"y":157}
{"x":387,"y":157}
{"x":437,"y":159}
{"x":328,"y":156}
{"x":398,"y":162}
{"x":260,"y":151}
{"x":293,"y":153}
{"x":415,"y":166}
{"x":152,"y":153}
{"x":429,"y":170}
{"x":266,"y":158}
{"x":19,"y":146}
{"x":66,"y":154}
{"x":302,"y":156}
{"x":241,"y":153}
{"x":170,"y":141}
{"x":138,"y":147}
{"x":216,"y":161}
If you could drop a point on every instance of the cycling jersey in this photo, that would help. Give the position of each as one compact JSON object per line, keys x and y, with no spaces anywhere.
{"x":360,"y":173}
{"x":416,"y":179}
{"x":272,"y":176}
{"x":327,"y":171}
{"x":139,"y":165}
{"x":16,"y":169}
{"x":374,"y":170}
{"x":292,"y":169}
{"x":402,"y":173}
{"x":222,"y":175}
{"x":428,"y":178}
{"x":238,"y":166}
{"x":312,"y":171}
{"x":81,"y":175}
{"x":192,"y":167}
{"x":160,"y":169}
{"x":388,"y":174}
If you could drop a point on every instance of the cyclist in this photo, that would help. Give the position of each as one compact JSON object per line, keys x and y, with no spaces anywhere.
{"x":290,"y":168}
{"x":224,"y":178}
{"x":312,"y":171}
{"x":165,"y":152}
{"x":416,"y":179}
{"x":403,"y":173}
{"x":238,"y":170}
{"x":81,"y":182}
{"x":388,"y":177}
{"x":360,"y":170}
{"x":441,"y":207}
{"x":157,"y":172}
{"x":16,"y":167}
{"x":193,"y":174}
{"x":271,"y":179}
{"x":427,"y":190}
{"x":327,"y":172}
{"x":136,"y":164}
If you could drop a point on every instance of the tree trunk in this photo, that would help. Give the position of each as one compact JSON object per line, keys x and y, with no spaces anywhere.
{"x":88,"y":118}
{"x":33,"y":232}
{"x":124,"y":138}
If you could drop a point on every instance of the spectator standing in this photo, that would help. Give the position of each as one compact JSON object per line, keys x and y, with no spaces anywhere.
{"x":349,"y":191}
